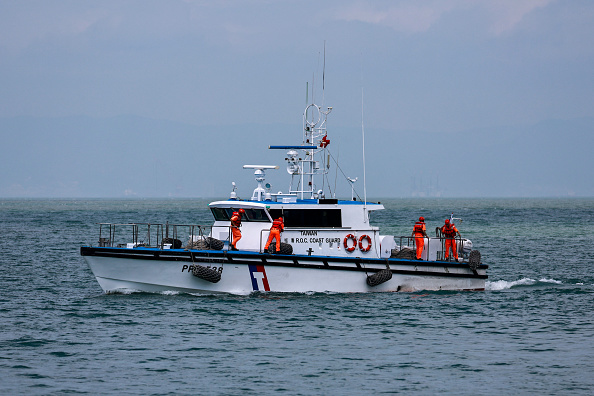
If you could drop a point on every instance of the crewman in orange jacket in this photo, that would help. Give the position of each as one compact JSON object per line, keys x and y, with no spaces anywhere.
{"x":235,"y":224}
{"x":277,"y":227}
{"x":450,"y":231}
{"x":419,"y":232}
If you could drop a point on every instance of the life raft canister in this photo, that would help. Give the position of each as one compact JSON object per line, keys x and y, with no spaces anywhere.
{"x":346,"y":243}
{"x":364,"y":249}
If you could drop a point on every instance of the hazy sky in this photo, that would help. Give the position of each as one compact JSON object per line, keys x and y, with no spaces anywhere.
{"x":433,"y":66}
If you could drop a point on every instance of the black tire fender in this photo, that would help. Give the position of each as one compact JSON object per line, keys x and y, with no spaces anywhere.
{"x":285,"y":248}
{"x":474,"y":259}
{"x":175,"y":243}
{"x":207,"y":274}
{"x":215,"y":244}
{"x":379,"y":277}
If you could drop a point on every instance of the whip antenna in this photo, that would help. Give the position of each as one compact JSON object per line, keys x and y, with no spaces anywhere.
{"x":363,"y":145}
{"x":324,"y":75}
{"x":306,"y":93}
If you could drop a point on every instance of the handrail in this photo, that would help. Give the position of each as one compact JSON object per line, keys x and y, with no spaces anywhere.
{"x":162,"y":232}
{"x":410,"y":241}
{"x":262,"y":231}
{"x":108,"y":232}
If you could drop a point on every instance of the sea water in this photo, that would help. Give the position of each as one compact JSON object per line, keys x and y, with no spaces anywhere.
{"x":530,"y":332}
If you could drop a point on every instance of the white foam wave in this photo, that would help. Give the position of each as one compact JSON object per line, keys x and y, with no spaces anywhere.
{"x":502,"y":285}
{"x":544,"y":280}
{"x":122,"y":291}
{"x":170,"y":293}
{"x":133,"y":291}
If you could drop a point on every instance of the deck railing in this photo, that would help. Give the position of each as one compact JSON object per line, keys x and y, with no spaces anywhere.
{"x":150,"y":234}
{"x":409,"y":242}
{"x":172,"y":236}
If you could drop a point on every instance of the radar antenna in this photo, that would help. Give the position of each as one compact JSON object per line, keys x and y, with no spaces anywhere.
{"x":259,"y":192}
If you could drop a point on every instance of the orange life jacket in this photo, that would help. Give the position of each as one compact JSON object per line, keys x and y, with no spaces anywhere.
{"x":419,"y":227}
{"x":278,"y":224}
{"x":449,"y":230}
{"x":236,"y":221}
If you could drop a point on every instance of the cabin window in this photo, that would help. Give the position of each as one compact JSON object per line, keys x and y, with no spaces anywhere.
{"x":220,"y":214}
{"x":309,"y":217}
{"x":224,"y":214}
{"x":256,"y":215}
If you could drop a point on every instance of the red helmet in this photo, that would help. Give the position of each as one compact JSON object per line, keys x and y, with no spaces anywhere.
{"x":421,"y":218}
{"x":241,"y":211}
{"x":447,"y":221}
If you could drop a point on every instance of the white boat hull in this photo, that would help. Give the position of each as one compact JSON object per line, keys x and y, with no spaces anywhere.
{"x":153,"y":270}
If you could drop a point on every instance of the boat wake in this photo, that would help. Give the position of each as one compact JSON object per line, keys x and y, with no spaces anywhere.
{"x":169,"y":293}
{"x":503,"y":285}
{"x":134,"y":291}
{"x":123,"y":291}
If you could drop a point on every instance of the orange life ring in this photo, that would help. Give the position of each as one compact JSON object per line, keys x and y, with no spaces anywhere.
{"x":361,"y":243}
{"x":346,"y":243}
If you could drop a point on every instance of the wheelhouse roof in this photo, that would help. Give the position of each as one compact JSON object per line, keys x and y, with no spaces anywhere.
{"x":303,"y":203}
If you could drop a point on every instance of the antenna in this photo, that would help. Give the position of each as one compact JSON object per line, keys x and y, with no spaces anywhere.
{"x":363,"y":148}
{"x":324,"y":69}
{"x":363,"y":145}
{"x":233,"y":192}
{"x":336,"y":172}
{"x":324,"y":76}
{"x":306,"y":93}
{"x":313,"y":85}
{"x":452,"y":218}
{"x":352,"y":181}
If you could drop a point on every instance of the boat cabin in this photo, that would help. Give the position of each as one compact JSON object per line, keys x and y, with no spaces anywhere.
{"x":312,"y":226}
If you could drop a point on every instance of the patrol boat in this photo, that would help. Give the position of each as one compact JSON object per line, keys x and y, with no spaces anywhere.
{"x":328,"y":245}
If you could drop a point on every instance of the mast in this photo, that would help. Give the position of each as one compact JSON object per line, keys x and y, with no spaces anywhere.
{"x":304,"y":167}
{"x":315,"y":136}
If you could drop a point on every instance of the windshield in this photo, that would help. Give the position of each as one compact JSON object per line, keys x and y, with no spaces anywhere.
{"x":309,"y":217}
{"x":224,"y":214}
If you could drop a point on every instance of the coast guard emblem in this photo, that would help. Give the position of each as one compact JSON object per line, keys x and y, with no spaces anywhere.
{"x":259,"y":280}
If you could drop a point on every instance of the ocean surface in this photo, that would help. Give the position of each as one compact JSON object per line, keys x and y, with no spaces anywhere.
{"x":530,"y":332}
